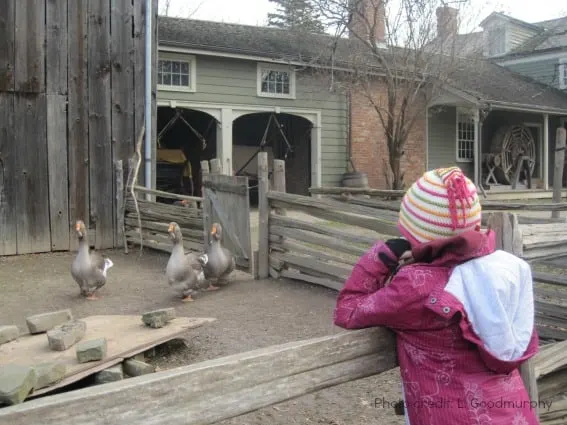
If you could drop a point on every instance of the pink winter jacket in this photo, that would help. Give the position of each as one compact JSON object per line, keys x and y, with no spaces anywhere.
{"x":463,"y":314}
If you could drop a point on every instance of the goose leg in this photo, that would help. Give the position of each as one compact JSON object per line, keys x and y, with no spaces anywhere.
{"x":212,"y":287}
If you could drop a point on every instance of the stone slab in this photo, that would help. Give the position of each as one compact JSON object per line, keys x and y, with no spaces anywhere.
{"x":43,"y":322}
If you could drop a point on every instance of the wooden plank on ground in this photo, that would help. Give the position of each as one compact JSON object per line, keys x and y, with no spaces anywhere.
{"x":101,"y":169}
{"x":78,"y":128}
{"x":30,"y":46}
{"x":8,"y":177}
{"x":235,"y":385}
{"x":125,"y":335}
{"x":56,"y":47}
{"x":32,"y":205}
{"x":7,"y":44}
{"x":58,"y":171}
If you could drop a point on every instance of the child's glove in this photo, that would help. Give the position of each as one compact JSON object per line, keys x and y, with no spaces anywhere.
{"x":398,"y":246}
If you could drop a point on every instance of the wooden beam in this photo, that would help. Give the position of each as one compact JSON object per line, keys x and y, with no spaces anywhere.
{"x":356,"y":190}
{"x":558,"y":171}
{"x":545,"y":165}
{"x":234,"y":385}
{"x":263,"y":216}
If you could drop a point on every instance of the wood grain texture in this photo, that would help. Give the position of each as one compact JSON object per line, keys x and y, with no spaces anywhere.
{"x":560,"y":144}
{"x":100,"y":135}
{"x":58,"y":171}
{"x":56,"y":47}
{"x":231,"y":208}
{"x":234,"y":385}
{"x":263,"y":216}
{"x":7,"y":44}
{"x":32,"y":202}
{"x":138,"y":69}
{"x":78,"y":121}
{"x":30,"y":46}
{"x":9,"y":176}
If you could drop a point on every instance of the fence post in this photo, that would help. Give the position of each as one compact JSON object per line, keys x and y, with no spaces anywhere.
{"x":263,"y":216}
{"x":216,"y":166}
{"x":560,"y":136}
{"x":509,"y":239}
{"x":279,"y":180}
{"x":205,"y":205}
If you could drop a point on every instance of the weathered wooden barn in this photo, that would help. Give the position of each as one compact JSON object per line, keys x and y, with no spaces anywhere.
{"x":71,"y":104}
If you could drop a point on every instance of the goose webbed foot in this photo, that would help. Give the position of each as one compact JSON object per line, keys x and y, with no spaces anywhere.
{"x":212,"y":287}
{"x":92,"y":297}
{"x":187,"y":299}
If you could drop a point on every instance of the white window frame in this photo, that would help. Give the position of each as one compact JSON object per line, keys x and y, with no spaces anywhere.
{"x":562,"y":73}
{"x":467,"y":113}
{"x":275,"y":67}
{"x":192,"y":71}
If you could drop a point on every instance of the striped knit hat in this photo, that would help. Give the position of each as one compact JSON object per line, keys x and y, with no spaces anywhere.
{"x":441,"y":204}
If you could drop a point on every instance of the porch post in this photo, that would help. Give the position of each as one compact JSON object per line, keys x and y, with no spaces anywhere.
{"x":224,"y":142}
{"x":477,"y":149}
{"x":545,"y":142}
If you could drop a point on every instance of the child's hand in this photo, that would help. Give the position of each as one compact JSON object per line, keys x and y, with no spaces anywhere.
{"x":398,"y":246}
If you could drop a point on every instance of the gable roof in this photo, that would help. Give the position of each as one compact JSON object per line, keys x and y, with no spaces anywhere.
{"x":504,"y":17}
{"x":553,"y":36}
{"x":481,"y":79}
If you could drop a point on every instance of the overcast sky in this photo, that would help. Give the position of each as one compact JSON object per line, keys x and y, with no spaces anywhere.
{"x":254,"y":12}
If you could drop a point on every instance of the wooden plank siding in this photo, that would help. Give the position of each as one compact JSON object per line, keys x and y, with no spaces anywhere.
{"x":227,"y":82}
{"x":67,"y":113}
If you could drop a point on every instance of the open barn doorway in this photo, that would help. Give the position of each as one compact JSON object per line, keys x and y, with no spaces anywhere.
{"x":282,"y":136}
{"x":185,"y":138}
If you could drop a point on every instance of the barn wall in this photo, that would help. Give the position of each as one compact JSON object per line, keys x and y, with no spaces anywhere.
{"x":71,"y":104}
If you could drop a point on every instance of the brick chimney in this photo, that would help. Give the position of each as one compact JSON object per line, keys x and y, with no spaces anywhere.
{"x":366,"y":15}
{"x":447,"y":22}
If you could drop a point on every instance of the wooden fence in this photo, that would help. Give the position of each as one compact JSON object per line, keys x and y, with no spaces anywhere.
{"x":321,"y":241}
{"x":71,"y":105}
{"x":226,"y":201}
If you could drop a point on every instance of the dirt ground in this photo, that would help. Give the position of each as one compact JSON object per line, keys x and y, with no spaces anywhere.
{"x":250,"y":314}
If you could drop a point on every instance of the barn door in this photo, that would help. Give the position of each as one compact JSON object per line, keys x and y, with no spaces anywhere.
{"x":226,"y":201}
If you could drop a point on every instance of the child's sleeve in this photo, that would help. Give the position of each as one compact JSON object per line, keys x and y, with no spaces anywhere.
{"x":364,"y":301}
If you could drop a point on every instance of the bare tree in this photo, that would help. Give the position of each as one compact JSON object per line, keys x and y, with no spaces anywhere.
{"x":394,"y":45}
{"x":165,"y":8}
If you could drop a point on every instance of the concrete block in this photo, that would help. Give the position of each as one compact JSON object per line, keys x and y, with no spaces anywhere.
{"x":65,"y":336}
{"x":16,"y":382}
{"x":158,"y":318}
{"x":111,"y":374}
{"x":91,"y":350}
{"x":45,"y":321}
{"x":136,"y":368}
{"x":8,"y":333}
{"x":49,"y":374}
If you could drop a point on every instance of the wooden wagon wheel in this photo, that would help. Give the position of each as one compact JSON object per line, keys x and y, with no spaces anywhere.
{"x":508,"y":143}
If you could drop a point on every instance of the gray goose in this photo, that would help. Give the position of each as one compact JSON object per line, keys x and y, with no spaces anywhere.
{"x":183,"y":271}
{"x":217,"y":261}
{"x":89,"y":268}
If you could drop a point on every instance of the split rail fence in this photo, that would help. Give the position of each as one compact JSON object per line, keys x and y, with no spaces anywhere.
{"x":318,"y":240}
{"x":315,"y":241}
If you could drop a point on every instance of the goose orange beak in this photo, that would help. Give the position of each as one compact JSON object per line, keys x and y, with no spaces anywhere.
{"x":170,"y":229}
{"x":214,"y":230}
{"x":77,"y":227}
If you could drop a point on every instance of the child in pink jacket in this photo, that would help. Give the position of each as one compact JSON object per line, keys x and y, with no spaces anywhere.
{"x":463,"y":312}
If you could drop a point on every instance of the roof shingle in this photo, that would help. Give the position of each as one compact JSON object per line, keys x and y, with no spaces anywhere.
{"x":482,"y":79}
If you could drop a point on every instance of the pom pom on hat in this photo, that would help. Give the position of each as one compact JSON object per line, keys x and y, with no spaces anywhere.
{"x":442,"y":203}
